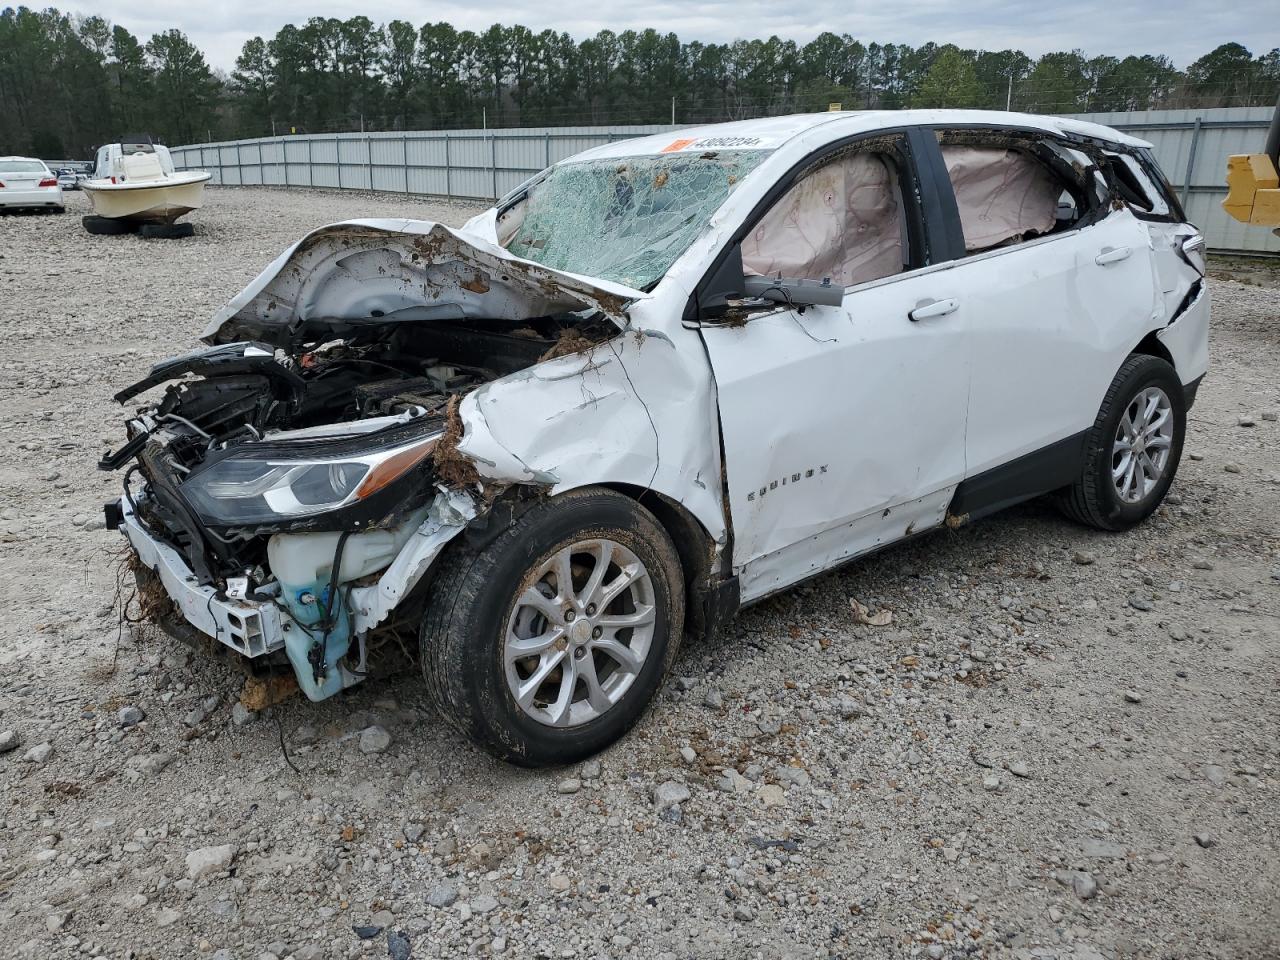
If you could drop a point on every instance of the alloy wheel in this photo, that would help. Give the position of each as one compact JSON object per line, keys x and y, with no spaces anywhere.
{"x":579,"y":633}
{"x":1144,"y":438}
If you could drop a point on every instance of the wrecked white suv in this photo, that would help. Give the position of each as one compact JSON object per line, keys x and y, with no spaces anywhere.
{"x":660,"y":380}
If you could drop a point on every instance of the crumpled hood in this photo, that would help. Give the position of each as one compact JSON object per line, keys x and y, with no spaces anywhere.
{"x":372,"y":272}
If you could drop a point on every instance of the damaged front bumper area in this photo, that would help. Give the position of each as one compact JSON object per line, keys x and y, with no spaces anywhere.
{"x":252,"y":628}
{"x":287,"y":506}
{"x":277,"y":625}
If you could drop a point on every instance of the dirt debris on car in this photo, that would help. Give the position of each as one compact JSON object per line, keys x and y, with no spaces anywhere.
{"x":853,"y":791}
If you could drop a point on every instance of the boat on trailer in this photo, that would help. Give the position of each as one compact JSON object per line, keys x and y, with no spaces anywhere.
{"x":136,"y":188}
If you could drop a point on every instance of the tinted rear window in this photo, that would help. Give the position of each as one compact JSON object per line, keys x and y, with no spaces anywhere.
{"x":21,"y":166}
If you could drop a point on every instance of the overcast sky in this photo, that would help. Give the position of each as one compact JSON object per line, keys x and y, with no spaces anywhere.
{"x":1182,"y":29}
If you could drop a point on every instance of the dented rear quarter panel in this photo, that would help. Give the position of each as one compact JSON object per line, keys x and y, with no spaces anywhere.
{"x":1187,"y":338}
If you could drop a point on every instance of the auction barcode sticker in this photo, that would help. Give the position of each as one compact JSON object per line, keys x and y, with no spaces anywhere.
{"x":717,"y":143}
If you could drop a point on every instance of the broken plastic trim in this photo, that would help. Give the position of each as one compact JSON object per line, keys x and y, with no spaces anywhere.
{"x":448,"y":516}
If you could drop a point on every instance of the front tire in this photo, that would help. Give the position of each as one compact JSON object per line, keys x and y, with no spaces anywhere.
{"x":545,"y":645}
{"x":1133,"y":449}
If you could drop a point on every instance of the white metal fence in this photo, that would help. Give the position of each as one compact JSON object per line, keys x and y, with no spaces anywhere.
{"x":1191,"y":145}
{"x":469,"y":164}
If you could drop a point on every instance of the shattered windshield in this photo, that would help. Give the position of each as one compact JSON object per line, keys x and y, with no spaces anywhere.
{"x":623,"y":219}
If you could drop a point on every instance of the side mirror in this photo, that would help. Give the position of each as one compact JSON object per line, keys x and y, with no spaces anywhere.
{"x":796,"y":293}
{"x":730,"y":289}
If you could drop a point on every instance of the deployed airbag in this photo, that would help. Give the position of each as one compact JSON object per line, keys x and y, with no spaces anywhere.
{"x":841,"y":221}
{"x":1002,"y":194}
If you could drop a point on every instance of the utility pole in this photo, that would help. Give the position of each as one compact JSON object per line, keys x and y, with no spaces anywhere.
{"x":673,"y":111}
{"x":484,"y":118}
{"x":1008,"y":97}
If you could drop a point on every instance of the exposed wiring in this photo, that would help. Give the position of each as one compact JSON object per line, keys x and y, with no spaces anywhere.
{"x":319,"y":665}
{"x":185,"y":422}
{"x":794,"y":311}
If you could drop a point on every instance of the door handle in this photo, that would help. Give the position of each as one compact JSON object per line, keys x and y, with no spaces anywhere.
{"x":928,"y":309}
{"x":1112,"y":255}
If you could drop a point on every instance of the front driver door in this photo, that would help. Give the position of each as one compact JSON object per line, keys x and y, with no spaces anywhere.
{"x":843,"y":427}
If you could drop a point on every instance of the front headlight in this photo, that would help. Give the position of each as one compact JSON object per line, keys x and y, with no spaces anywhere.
{"x":267,"y":486}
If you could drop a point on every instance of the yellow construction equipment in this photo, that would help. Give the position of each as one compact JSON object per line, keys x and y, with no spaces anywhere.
{"x":1253,"y":184}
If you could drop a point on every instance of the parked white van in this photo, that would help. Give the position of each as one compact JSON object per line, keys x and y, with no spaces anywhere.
{"x":662,"y":379}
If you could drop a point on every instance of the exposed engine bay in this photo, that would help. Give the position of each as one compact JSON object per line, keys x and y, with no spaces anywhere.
{"x":394,"y":381}
{"x":285,"y":480}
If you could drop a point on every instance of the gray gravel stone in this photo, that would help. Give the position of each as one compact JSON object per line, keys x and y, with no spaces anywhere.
{"x":242,"y":715}
{"x":769,"y":726}
{"x":374,"y":740}
{"x":39,"y":753}
{"x":398,"y":946}
{"x":669,"y":793}
{"x":209,"y":860}
{"x":130,"y":716}
{"x":445,"y":895}
{"x":1215,"y":774}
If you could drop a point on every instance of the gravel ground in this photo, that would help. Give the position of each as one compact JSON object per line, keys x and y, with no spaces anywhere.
{"x":1064,"y":745}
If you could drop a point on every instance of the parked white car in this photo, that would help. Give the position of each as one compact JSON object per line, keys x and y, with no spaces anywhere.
{"x":27,"y":183}
{"x":662,"y":379}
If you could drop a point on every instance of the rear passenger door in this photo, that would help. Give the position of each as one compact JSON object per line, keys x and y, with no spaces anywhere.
{"x":1056,"y":290}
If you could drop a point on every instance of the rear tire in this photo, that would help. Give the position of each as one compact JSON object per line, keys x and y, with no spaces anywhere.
{"x":166,"y":231}
{"x":535,"y":673}
{"x":1133,"y":449}
{"x":105,"y":226}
